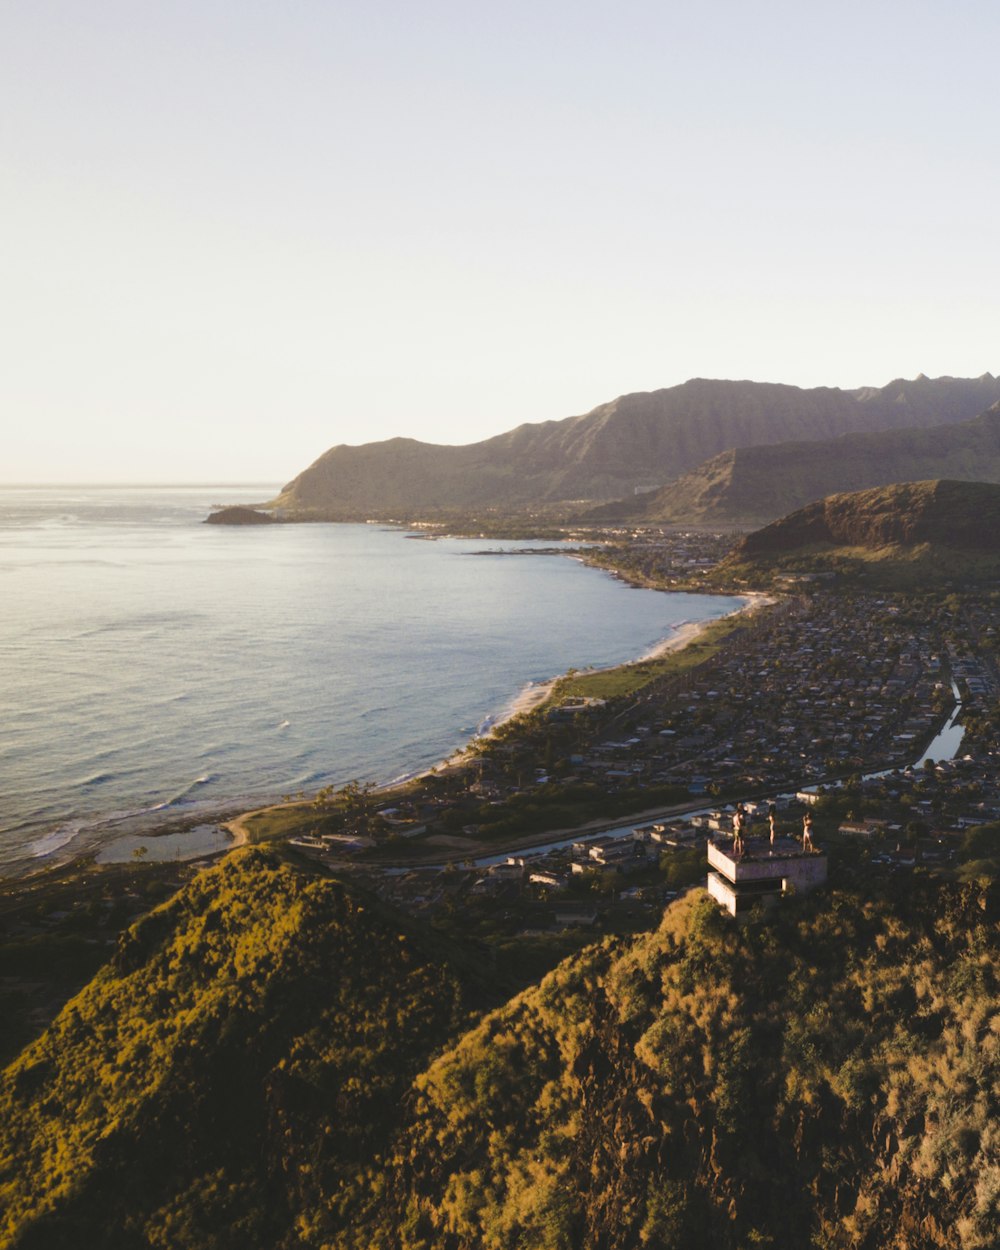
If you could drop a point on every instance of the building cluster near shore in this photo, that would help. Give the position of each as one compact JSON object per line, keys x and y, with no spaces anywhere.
{"x":901,"y":820}
{"x":814,"y":688}
{"x":824,"y":702}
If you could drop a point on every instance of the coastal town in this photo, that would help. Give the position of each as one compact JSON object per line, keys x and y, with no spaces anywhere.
{"x":588,"y":813}
{"x":500,"y":631}
{"x":869,"y":712}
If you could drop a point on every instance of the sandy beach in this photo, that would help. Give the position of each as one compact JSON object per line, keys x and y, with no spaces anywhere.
{"x":535,"y":693}
{"x":692,"y":630}
{"x":532,"y":696}
{"x":236,"y":828}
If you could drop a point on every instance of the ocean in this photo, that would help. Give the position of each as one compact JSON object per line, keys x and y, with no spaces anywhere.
{"x":156,"y":669}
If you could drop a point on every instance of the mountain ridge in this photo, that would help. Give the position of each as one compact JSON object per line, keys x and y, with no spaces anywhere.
{"x":636,"y":441}
{"x":762,"y":483}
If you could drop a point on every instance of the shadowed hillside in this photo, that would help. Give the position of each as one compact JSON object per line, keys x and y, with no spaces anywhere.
{"x":636,"y":442}
{"x":955,"y":514}
{"x":915,"y":532}
{"x":761,"y":483}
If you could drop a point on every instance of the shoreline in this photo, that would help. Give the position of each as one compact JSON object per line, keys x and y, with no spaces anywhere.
{"x":684,"y":634}
{"x":87,"y":846}
{"x":233,"y":816}
{"x":536,"y":693}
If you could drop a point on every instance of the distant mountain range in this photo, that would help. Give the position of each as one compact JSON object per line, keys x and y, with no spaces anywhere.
{"x":749,"y":484}
{"x":909,"y":533}
{"x":635,"y":443}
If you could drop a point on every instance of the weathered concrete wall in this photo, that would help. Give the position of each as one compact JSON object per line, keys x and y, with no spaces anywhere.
{"x":791,"y":870}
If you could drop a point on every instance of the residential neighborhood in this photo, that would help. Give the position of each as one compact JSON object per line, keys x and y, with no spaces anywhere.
{"x":819,"y":703}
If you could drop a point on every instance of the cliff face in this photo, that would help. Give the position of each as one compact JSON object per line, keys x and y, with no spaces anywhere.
{"x":635,"y":442}
{"x":909,"y":536}
{"x":961,"y":515}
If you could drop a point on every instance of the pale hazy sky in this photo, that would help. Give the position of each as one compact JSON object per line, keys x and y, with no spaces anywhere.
{"x":235,"y":234}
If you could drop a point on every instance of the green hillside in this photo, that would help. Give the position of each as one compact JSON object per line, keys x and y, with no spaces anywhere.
{"x":824,"y":1077}
{"x":911,"y":533}
{"x":270,"y":1060}
{"x":227,"y":1073}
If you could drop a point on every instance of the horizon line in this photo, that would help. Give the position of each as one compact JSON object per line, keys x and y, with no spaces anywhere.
{"x":129,"y":485}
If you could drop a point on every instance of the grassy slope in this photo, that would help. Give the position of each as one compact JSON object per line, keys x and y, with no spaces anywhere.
{"x":892,"y":567}
{"x":257,"y":1067}
{"x":227,"y":1073}
{"x":826,"y":1078}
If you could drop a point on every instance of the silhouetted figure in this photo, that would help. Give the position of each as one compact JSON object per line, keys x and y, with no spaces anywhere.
{"x":772,"y":822}
{"x":739,"y":828}
{"x":807,"y":832}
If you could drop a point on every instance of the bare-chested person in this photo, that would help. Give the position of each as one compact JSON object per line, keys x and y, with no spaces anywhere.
{"x":739,"y":826}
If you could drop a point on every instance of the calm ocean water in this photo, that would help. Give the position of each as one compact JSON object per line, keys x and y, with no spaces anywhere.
{"x":153,"y":667}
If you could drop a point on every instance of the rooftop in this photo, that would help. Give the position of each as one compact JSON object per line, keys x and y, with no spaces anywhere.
{"x":787,"y":865}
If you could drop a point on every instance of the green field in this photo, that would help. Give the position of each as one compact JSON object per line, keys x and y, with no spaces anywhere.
{"x":611,"y":683}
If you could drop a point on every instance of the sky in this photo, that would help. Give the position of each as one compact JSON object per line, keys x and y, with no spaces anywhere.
{"x":236,"y":234}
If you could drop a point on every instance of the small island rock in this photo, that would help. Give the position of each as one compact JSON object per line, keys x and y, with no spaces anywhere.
{"x":240,"y":515}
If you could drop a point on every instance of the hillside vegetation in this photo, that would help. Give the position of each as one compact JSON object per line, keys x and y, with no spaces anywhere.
{"x":912,"y":532}
{"x":636,"y":442}
{"x":271,"y":1061}
{"x":227,"y":1072}
{"x":825,"y":1077}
